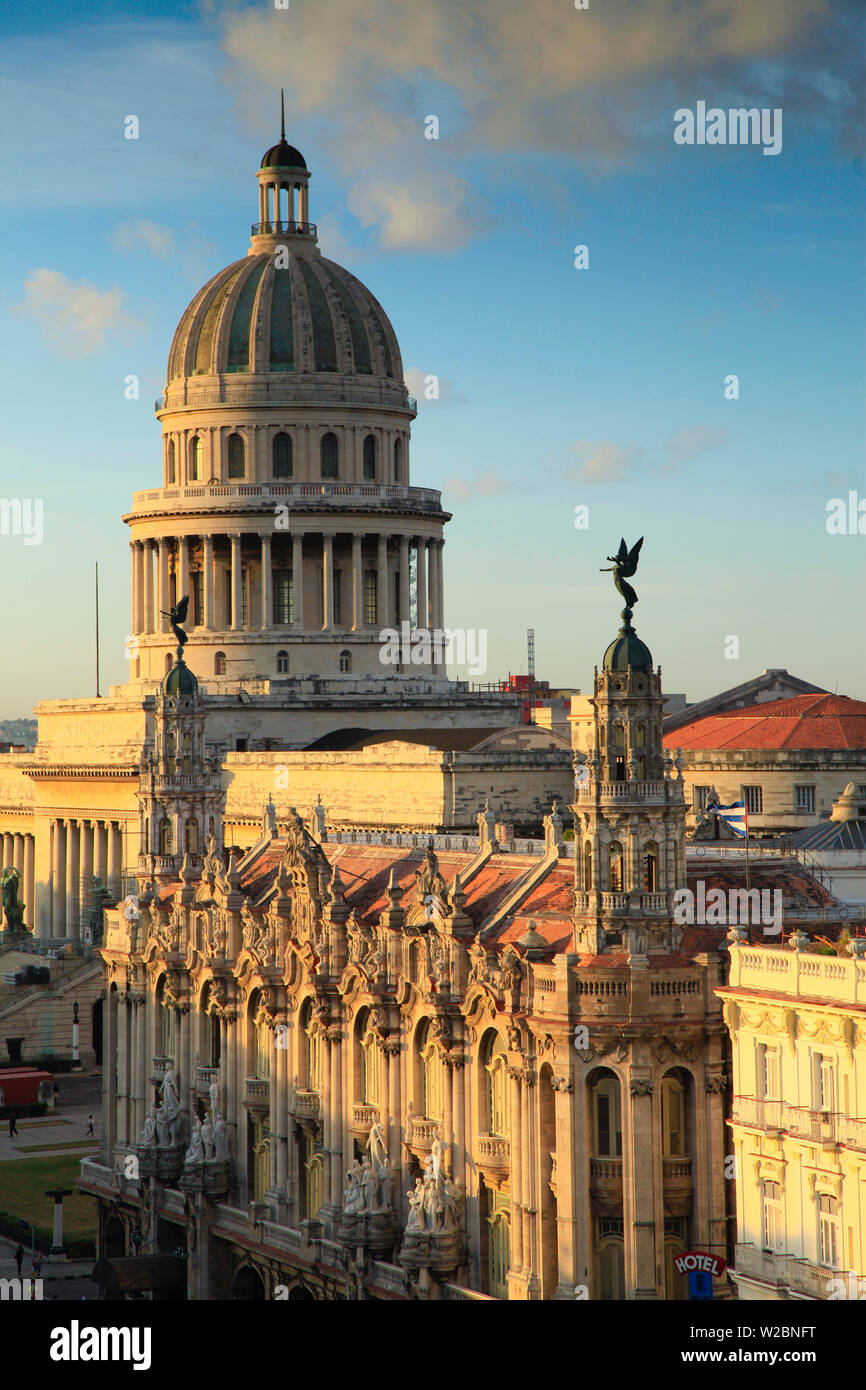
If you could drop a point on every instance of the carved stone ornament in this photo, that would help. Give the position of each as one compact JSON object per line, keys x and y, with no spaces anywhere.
{"x":641,"y":1086}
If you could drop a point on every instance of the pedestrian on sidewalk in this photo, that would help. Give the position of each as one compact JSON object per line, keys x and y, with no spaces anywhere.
{"x":13,"y":1127}
{"x":19,"y":1259}
{"x":37,"y":1264}
{"x":89,"y":1125}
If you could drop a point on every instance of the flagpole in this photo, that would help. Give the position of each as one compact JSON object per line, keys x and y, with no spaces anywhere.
{"x":748,"y":877}
{"x":97,"y":630}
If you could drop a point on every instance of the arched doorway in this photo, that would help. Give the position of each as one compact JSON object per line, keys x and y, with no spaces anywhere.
{"x":114,"y":1239}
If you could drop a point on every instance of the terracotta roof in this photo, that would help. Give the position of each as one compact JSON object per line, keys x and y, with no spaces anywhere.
{"x":807,"y":721}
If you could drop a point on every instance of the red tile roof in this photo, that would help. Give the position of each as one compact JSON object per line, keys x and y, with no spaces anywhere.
{"x":806,"y":721}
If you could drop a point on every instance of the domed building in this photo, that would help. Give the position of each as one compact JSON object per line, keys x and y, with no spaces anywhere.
{"x":285,"y":510}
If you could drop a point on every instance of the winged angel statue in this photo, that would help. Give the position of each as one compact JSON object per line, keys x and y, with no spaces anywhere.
{"x":624,"y":566}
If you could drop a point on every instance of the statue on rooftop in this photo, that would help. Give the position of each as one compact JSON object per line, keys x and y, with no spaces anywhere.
{"x":177,"y":616}
{"x":12,"y":909}
{"x":624,"y":566}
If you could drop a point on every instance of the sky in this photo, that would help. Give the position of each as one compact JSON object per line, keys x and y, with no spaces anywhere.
{"x":560,"y":388}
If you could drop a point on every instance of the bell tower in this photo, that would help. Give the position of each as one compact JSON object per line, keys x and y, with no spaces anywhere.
{"x":180,"y":791}
{"x":629,"y":808}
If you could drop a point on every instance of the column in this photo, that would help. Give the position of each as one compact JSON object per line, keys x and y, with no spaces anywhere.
{"x":30,"y":882}
{"x":109,"y":1071}
{"x":458,"y":1137}
{"x":237,"y":582}
{"x":440,"y":584}
{"x":58,"y":883}
{"x":404,"y":579}
{"x":183,"y":568}
{"x":298,"y":578}
{"x":133,"y":586}
{"x":357,"y":584}
{"x":8,"y":850}
{"x":421,"y":582}
{"x":147,"y":555}
{"x":336,"y":1107}
{"x":433,"y":584}
{"x":122,"y":1086}
{"x":639,"y":1170}
{"x":267,"y":600}
{"x":100,"y":851}
{"x":85,"y":897}
{"x":115,"y":860}
{"x":164,"y":605}
{"x":382,"y":605}
{"x":209,"y":613}
{"x":282,"y":1115}
{"x":73,"y":848}
{"x":18,"y":856}
{"x":327,"y":582}
{"x":515,"y":1144}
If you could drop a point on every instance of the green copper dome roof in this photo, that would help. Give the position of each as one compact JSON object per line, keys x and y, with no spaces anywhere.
{"x":179,"y":680}
{"x":309,"y":316}
{"x":627,"y":650}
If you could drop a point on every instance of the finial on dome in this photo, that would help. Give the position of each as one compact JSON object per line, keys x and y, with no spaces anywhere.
{"x":282,"y":115}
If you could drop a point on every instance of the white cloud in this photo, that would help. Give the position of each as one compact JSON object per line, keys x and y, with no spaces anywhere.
{"x":602,"y":461}
{"x":76,"y":320}
{"x":689,"y":444}
{"x":416,"y":384}
{"x":157,"y":240}
{"x":487,"y":484}
{"x":417,"y":214}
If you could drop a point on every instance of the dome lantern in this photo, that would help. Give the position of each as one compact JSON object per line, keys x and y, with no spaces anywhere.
{"x":283,"y":173}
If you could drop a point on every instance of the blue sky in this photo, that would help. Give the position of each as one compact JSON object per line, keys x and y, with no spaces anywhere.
{"x":560,"y":387}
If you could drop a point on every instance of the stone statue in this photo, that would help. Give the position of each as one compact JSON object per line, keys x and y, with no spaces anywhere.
{"x":437,"y":1156}
{"x":353,"y":1196}
{"x":220,"y":1138}
{"x":416,"y":1207}
{"x":207,"y":1137}
{"x":624,"y":566}
{"x":195,"y":1152}
{"x":213,"y":1092}
{"x":12,"y":908}
{"x":269,"y":818}
{"x":453,"y":1212}
{"x":148,"y":1134}
{"x":168,"y":1117}
{"x":368,"y":1185}
{"x":376,"y":1145}
{"x":429,"y":883}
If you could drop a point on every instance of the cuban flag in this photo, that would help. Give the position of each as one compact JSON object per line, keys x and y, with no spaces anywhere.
{"x":736,"y":817}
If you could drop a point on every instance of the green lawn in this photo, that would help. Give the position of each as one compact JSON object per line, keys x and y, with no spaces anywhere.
{"x":23,"y":1183}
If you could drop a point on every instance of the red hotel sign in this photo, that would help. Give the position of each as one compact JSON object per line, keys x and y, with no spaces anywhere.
{"x":698,"y":1261}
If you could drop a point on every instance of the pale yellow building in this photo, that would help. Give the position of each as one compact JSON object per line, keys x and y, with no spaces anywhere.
{"x":798,"y":1028}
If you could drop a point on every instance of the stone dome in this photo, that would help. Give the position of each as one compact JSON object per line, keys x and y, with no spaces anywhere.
{"x":310,"y":317}
{"x":627,"y":650}
{"x":179,"y":680}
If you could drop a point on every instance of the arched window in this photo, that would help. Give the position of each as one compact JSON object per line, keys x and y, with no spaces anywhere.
{"x":330,"y":456}
{"x":607,"y":1116}
{"x":673,"y":1117}
{"x":166,"y":838}
{"x":191,"y":836}
{"x":169,"y":464}
{"x":236,"y":455}
{"x":196,"y":455}
{"x":219,"y":664}
{"x":650,"y":866}
{"x":187,"y":755}
{"x":345,"y":661}
{"x":282,"y":456}
{"x":429,"y":1074}
{"x":398,"y":459}
{"x":369,"y":458}
{"x":587,"y":867}
{"x":282,"y":663}
{"x":614,"y":867}
{"x":310,"y":1047}
{"x":496,"y":1086}
{"x":619,"y":753}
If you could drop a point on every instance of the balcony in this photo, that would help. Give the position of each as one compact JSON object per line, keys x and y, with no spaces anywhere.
{"x":654,"y":904}
{"x":160,"y":1066}
{"x":305,"y":1105}
{"x":205,"y":1077}
{"x":289,"y":228}
{"x":761,"y":1114}
{"x":364,"y":1117}
{"x":784,"y":1272}
{"x":257,"y":1092}
{"x":605,"y":1182}
{"x":820,"y":1125}
{"x":421,"y":1133}
{"x":492,"y":1153}
{"x":678,"y":1186}
{"x":316,"y":497}
{"x":614,"y":792}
